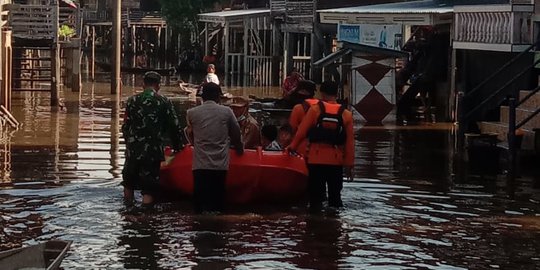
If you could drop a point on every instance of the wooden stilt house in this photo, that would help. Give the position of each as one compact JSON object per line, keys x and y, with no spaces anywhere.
{"x":243,"y":42}
{"x":36,"y":46}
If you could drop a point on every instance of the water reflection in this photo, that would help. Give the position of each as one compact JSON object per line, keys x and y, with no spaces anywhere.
{"x":141,"y":242}
{"x":209,"y":243}
{"x":405,"y":210}
{"x":323,"y":236}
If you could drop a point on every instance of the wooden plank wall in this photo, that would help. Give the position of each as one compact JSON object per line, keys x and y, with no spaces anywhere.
{"x":32,"y":21}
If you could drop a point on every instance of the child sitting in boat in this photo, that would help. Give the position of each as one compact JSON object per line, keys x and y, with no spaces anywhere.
{"x":284,"y":138}
{"x":269,"y":135}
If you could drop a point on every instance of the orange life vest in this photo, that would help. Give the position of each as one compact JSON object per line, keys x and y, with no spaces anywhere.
{"x":329,"y":128}
{"x":308,"y":102}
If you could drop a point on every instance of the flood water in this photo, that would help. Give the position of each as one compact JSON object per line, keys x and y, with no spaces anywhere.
{"x":60,"y":174}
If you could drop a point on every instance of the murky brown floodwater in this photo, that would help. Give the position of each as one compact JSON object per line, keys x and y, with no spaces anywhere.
{"x":60,"y":174}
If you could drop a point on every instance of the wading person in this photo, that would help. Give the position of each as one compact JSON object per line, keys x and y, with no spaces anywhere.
{"x":147,"y":116}
{"x":329,"y":129}
{"x":213,"y":129}
{"x":307,"y":90}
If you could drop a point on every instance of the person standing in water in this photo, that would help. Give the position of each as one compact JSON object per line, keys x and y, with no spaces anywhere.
{"x":147,"y":116}
{"x":213,"y":129}
{"x":329,"y":129}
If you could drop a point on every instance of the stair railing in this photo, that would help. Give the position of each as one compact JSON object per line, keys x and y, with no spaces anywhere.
{"x":537,"y":111}
{"x":465,"y":116}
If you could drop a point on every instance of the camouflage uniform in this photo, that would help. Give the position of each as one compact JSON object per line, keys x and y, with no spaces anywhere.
{"x":148,"y":115}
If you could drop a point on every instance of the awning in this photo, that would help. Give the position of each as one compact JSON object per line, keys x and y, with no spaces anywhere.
{"x":427,"y":12}
{"x":331,"y":58}
{"x":426,"y":6}
{"x":348,"y":48}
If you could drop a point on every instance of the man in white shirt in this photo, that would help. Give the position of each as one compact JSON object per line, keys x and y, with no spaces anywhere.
{"x":213,"y":129}
{"x":211,"y":77}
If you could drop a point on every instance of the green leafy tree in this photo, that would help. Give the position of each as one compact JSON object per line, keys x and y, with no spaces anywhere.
{"x":182,"y":14}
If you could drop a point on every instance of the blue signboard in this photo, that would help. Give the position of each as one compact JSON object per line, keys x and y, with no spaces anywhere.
{"x":349,"y":33}
{"x":378,"y":35}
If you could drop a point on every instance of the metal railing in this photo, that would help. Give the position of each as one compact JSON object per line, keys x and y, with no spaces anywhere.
{"x":493,"y":100}
{"x":532,"y":115}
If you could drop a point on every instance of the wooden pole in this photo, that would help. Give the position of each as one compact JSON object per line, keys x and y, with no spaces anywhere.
{"x":166,"y":43}
{"x":93,"y":52}
{"x":246,"y":52}
{"x":76,"y":68}
{"x":226,"y":51}
{"x":55,"y":58}
{"x":134,"y":45}
{"x":286,"y":54}
{"x":116,"y":58}
{"x":206,"y":47}
{"x":158,"y":40}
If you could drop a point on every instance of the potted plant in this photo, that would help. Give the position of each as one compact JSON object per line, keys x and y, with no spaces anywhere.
{"x":66,"y":32}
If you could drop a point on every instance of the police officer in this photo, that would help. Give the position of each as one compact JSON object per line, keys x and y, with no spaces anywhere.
{"x":147,"y":116}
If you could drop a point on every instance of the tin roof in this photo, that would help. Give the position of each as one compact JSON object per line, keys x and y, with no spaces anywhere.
{"x":222,"y":16}
{"x":425,"y":7}
{"x":347,"y":48}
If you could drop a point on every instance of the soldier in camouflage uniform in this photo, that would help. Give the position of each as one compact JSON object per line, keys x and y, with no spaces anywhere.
{"x":148,"y":115}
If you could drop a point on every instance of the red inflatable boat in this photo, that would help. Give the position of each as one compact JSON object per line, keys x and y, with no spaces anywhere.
{"x":256,"y":176}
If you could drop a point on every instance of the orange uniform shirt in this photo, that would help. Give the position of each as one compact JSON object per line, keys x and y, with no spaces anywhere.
{"x":297,"y":115}
{"x":322,"y":153}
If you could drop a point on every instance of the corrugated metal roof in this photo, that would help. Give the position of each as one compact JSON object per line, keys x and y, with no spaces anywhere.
{"x":425,"y":7}
{"x":347,"y":48}
{"x":234,"y":13}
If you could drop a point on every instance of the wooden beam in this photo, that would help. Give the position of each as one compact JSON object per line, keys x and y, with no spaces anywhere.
{"x":116,"y":59}
{"x":226,"y":33}
{"x":93,"y":52}
{"x":55,"y":58}
{"x":10,"y":119}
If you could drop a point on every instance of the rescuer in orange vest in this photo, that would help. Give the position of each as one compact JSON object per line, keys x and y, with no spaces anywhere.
{"x":307,"y":89}
{"x":329,"y":129}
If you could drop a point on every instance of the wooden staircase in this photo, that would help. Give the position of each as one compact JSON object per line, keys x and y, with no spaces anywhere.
{"x":501,"y":127}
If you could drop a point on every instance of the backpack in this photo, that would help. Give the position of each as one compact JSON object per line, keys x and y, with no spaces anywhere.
{"x":329,"y":128}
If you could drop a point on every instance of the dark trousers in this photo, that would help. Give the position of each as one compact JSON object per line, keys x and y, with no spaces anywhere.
{"x":141,"y":174}
{"x":319,"y":177}
{"x":209,"y":190}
